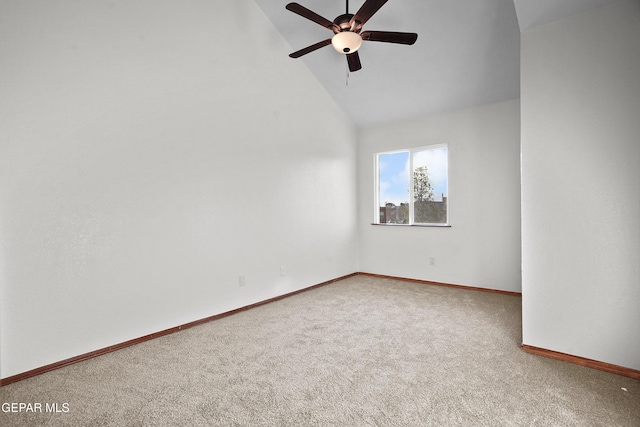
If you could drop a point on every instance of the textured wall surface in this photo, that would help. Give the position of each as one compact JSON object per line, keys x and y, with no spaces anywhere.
{"x":482,"y":246}
{"x":581,"y":185}
{"x":148,"y":158}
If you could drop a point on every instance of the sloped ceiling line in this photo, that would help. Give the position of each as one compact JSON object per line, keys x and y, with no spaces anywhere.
{"x":467,"y":53}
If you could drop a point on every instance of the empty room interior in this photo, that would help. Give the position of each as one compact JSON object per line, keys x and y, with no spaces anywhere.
{"x":163,"y":163}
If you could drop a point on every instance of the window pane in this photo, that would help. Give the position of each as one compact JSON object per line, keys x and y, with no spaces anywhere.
{"x":430,"y":186}
{"x":393,"y":196}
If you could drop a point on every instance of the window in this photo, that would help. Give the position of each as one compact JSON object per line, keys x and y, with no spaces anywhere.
{"x":412,"y":186}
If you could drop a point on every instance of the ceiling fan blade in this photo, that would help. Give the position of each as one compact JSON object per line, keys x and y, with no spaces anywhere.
{"x":353,"y":59}
{"x":389,"y":37}
{"x":365,"y":13}
{"x":310,"y":49}
{"x":312,"y":16}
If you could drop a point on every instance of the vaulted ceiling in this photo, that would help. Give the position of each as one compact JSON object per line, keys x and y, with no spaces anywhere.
{"x":467,"y":53}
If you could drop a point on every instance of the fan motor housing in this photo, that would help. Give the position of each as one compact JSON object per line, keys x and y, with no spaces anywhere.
{"x":344,"y":21}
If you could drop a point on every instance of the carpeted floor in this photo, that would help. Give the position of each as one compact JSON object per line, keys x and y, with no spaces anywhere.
{"x":363,"y":351}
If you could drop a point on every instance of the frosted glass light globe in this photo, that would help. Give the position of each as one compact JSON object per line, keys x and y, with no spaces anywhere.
{"x":346,"y":42}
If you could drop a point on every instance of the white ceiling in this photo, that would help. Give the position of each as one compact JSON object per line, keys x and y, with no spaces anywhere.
{"x":467,"y":53}
{"x":533,"y":13}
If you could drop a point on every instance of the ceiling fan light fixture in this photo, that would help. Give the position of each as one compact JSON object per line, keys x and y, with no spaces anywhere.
{"x":346,"y":42}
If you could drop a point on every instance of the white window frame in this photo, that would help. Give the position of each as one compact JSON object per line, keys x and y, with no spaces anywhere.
{"x":376,"y":184}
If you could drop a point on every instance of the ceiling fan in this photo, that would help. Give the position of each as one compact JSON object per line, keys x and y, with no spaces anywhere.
{"x":346,"y":28}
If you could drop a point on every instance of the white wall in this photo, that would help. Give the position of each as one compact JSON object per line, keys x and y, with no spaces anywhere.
{"x":150,"y":153}
{"x":482,"y":246}
{"x":581,"y":185}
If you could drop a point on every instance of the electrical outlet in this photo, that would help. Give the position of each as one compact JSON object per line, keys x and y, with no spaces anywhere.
{"x":432,"y":261}
{"x":282,"y":271}
{"x":242,"y":280}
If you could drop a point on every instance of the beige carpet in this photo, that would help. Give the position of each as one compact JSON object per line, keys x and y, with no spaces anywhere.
{"x":360,"y":352}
